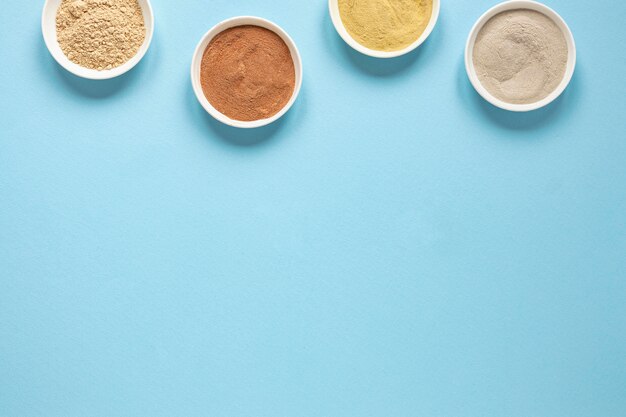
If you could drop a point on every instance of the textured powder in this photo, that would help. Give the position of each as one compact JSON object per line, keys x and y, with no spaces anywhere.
{"x":385,"y":25}
{"x":100,"y":34}
{"x":247,"y":73}
{"x":520,"y":56}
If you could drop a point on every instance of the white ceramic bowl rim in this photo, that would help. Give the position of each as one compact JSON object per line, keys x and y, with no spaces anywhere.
{"x":513,"y":5}
{"x":333,"y":8}
{"x":48,"y":28}
{"x":197,"y":60}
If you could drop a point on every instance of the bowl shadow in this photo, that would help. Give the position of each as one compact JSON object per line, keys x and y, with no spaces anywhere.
{"x":378,"y":67}
{"x":517,"y":121}
{"x":97,"y":89}
{"x":94,"y":89}
{"x":244,"y":138}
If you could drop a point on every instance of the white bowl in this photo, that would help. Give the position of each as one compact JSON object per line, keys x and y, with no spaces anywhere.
{"x":512,"y":5}
{"x":48,"y":27}
{"x":197,"y":61}
{"x":333,"y":8}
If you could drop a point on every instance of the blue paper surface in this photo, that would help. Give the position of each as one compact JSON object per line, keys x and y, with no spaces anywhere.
{"x":395,"y":246}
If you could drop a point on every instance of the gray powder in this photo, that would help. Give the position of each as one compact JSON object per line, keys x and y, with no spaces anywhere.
{"x":520,"y":56}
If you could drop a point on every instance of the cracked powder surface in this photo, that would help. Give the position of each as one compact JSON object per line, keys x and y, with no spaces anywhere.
{"x":520,"y":56}
{"x":100,"y":34}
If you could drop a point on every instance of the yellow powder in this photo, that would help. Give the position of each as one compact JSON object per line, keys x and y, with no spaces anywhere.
{"x":385,"y":25}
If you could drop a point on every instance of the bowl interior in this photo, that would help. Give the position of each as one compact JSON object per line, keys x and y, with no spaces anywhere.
{"x":197,"y":61}
{"x":513,"y":5}
{"x":48,"y":26}
{"x":333,"y":8}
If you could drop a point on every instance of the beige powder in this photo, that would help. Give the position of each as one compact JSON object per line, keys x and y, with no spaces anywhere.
{"x":100,"y":34}
{"x":520,"y":56}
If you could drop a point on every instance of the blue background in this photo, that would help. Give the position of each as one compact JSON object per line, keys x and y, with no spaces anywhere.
{"x":393,"y":247}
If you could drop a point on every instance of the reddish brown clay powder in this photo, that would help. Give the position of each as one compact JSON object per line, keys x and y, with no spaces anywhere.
{"x":247,"y":73}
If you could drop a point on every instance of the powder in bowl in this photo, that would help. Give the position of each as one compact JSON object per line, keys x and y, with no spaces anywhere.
{"x":247,"y":73}
{"x":385,"y":25}
{"x":520,"y":56}
{"x":100,"y":34}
